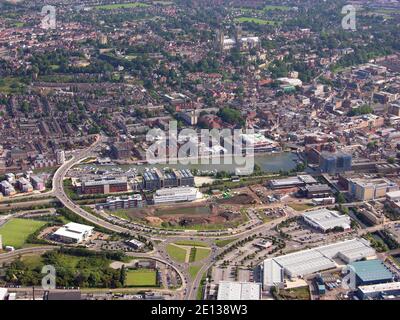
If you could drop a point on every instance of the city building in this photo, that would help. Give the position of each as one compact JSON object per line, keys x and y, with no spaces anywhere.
{"x":73,"y":233}
{"x":229,"y":290}
{"x":7,"y":189}
{"x":369,"y":189}
{"x":156,"y":179}
{"x":121,"y":150}
{"x":60,"y":157}
{"x":238,"y":41}
{"x":259,"y":143}
{"x":371,"y":272}
{"x":292,"y":182}
{"x":325,"y":220}
{"x":333,"y":163}
{"x":105,"y":185}
{"x":378,"y":291}
{"x":178,"y":194}
{"x":24,"y":185}
{"x":316,"y":191}
{"x":123,"y":202}
{"x":135,"y":244}
{"x":38,"y":183}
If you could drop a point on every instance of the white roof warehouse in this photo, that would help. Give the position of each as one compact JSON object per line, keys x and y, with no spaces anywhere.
{"x":73,"y":232}
{"x":324,"y":219}
{"x":305,"y":262}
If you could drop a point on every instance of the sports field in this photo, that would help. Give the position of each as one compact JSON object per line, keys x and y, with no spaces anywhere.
{"x":141,"y":278}
{"x":254,"y":20}
{"x":16,"y":231}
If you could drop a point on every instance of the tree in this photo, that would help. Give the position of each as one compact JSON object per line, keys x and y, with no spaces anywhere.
{"x":340,"y":198}
{"x":122,"y":275}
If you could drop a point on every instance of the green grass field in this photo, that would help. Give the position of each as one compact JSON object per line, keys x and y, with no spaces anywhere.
{"x":16,"y":231}
{"x":192,"y":243}
{"x":176,"y":253}
{"x":270,"y":8}
{"x":141,"y":278}
{"x":193,"y":270}
{"x":223,"y":243}
{"x":121,"y":6}
{"x":254,"y":20}
{"x":197,"y":254}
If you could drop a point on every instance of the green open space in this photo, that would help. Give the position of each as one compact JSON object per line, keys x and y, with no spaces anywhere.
{"x":193,"y":270}
{"x":272,"y":7}
{"x":197,"y":254}
{"x":223,"y":243}
{"x":300,"y":293}
{"x":191,"y":243}
{"x":176,"y":253}
{"x":255,"y":20}
{"x":16,"y":231}
{"x":11,"y":85}
{"x":141,"y":278}
{"x":121,"y":6}
{"x":300,"y":206}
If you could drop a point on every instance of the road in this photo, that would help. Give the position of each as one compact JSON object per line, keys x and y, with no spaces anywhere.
{"x":9,"y":256}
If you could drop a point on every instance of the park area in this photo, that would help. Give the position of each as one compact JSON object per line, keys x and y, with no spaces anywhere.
{"x":188,"y":251}
{"x":141,"y":278}
{"x":16,"y":231}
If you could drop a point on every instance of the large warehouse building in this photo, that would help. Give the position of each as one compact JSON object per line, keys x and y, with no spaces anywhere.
{"x":229,"y":290}
{"x":371,"y":272}
{"x":325,"y":220}
{"x":306,"y":262}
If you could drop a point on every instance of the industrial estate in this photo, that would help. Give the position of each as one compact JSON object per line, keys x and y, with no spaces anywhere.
{"x":90,"y":89}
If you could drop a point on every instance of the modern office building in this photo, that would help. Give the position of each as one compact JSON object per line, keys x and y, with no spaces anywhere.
{"x":178,"y":194}
{"x":123,"y":202}
{"x":105,"y":185}
{"x":325,"y":220}
{"x":156,"y":179}
{"x":229,"y":290}
{"x":369,"y":189}
{"x":73,"y":233}
{"x":333,"y":163}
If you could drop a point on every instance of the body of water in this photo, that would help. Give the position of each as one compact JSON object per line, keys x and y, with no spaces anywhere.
{"x":271,"y":162}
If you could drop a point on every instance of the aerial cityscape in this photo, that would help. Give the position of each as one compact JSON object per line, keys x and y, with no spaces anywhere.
{"x":207,"y":150}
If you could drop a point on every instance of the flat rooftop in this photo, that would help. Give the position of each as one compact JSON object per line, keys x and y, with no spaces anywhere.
{"x":372,"y":270}
{"x":229,"y":290}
